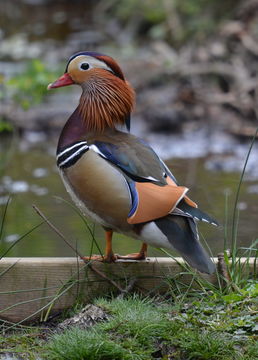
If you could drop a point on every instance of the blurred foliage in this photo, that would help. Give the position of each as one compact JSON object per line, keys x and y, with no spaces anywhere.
{"x":5,"y":126}
{"x":173,"y":20}
{"x":29,"y":87}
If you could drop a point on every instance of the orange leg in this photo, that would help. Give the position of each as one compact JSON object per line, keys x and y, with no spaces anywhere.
{"x":141,"y":255}
{"x":109,"y":255}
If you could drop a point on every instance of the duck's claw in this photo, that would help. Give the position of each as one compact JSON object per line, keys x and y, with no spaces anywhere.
{"x":141,"y":255}
{"x":134,"y":256}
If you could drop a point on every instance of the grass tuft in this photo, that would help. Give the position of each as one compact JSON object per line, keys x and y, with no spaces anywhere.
{"x":131,"y":333}
{"x":77,"y":344}
{"x":208,"y":346}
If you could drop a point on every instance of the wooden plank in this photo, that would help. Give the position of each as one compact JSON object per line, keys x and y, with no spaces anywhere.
{"x":28,"y":285}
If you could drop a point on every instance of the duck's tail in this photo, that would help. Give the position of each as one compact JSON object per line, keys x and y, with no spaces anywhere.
{"x":182,"y":234}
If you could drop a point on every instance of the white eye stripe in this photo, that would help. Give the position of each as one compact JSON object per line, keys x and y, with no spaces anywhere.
{"x":93,"y":63}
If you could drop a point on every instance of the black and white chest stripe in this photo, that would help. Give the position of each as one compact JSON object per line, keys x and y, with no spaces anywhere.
{"x":72,"y":153}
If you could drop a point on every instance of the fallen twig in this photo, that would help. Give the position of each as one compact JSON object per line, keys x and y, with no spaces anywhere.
{"x":222,"y":269}
{"x":128,"y":289}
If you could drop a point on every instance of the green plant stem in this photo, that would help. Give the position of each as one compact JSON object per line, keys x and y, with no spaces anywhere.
{"x":20,"y":238}
{"x":226,"y":222}
{"x":234,"y":221}
{"x":4,"y":217}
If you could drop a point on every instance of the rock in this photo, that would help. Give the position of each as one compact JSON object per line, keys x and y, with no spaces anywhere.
{"x":9,"y":356}
{"x":88,"y":317}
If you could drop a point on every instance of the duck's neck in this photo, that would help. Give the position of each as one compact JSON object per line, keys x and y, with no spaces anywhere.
{"x":104,"y":103}
{"x":74,"y":130}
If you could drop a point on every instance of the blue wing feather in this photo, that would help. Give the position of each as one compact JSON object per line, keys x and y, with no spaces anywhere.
{"x":134,"y":197}
{"x":115,"y":155}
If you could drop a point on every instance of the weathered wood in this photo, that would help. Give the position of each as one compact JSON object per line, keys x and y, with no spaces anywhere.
{"x":28,"y":285}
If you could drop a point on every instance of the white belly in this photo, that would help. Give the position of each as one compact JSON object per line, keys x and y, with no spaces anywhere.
{"x":152,"y":235}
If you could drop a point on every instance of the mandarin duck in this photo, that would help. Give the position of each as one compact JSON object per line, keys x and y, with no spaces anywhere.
{"x":115,"y":178}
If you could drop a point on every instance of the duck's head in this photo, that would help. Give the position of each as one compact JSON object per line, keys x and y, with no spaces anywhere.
{"x":107,"y":98}
{"x":82,"y":66}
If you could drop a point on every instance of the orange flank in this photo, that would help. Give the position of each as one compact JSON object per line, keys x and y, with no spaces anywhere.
{"x":155,"y":201}
{"x":186,"y":198}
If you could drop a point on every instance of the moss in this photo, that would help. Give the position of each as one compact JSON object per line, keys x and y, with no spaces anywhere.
{"x":23,"y":343}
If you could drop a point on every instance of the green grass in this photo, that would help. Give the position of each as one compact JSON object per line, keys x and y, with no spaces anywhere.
{"x":207,"y":345}
{"x":134,"y":327}
{"x":78,"y":344}
{"x":204,"y":326}
{"x":146,"y":329}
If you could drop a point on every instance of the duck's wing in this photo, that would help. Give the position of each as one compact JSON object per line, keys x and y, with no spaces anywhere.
{"x":154,"y":190}
{"x":133,"y":156}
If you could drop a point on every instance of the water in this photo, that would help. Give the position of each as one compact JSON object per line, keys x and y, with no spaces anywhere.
{"x":30,"y":177}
